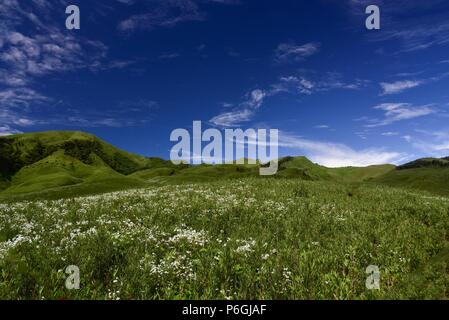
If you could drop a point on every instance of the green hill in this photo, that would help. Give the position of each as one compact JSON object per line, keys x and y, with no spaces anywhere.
{"x":360,"y":174}
{"x":17,"y":151}
{"x":434,"y":180}
{"x":427,"y":174}
{"x":58,"y":164}
{"x":77,"y":162}
{"x":301,"y":167}
{"x":426,"y":163}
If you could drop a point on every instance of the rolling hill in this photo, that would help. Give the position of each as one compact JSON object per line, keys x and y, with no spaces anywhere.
{"x":59,"y":164}
{"x":428,"y":174}
{"x":39,"y":162}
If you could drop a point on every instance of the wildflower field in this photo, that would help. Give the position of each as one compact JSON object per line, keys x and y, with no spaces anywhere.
{"x":232,"y":239}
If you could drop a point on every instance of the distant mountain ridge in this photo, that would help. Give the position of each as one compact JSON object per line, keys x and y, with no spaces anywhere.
{"x":71,"y":163}
{"x":426,"y":163}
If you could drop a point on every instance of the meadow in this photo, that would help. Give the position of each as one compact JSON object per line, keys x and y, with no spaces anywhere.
{"x":247,"y":238}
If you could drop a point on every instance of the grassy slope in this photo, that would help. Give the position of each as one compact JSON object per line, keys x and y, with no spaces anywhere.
{"x":28,"y":148}
{"x":57,"y":164}
{"x":359,"y":174}
{"x":255,"y":238}
{"x":60,"y":175}
{"x":426,"y":163}
{"x":434,"y":180}
{"x":301,"y":167}
{"x":65,"y":163}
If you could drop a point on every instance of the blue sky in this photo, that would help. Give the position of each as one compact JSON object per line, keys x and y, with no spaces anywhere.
{"x":138,"y":69}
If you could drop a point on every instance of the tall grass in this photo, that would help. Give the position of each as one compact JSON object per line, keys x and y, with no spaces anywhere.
{"x":232,"y":239}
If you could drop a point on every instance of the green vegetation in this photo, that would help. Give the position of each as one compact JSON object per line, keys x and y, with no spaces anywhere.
{"x":230,"y":239}
{"x":433,"y":180}
{"x":354,"y":174}
{"x":426,"y":163}
{"x":215,"y":232}
{"x":58,"y":163}
{"x":61,"y":164}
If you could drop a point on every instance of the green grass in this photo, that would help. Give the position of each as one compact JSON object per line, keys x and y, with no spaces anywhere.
{"x":434,"y":180}
{"x":354,"y":174}
{"x":18,"y":151}
{"x":58,"y":164}
{"x":427,"y":163}
{"x":59,"y":172}
{"x":248,"y":238}
{"x":66,"y":163}
{"x":215,"y":232}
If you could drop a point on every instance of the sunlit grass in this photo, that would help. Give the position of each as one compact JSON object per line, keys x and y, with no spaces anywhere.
{"x":232,"y":239}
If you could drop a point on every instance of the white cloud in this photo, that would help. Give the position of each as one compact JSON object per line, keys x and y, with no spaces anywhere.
{"x":169,"y":56}
{"x":407,"y":138}
{"x":286,"y":52}
{"x":394,"y":112}
{"x":308,"y":82}
{"x":438,"y":146}
{"x":6,"y":130}
{"x":301,"y":83}
{"x":166,"y":14}
{"x":233,"y":118}
{"x":20,"y":98}
{"x":399,"y":86}
{"x":431,"y":30}
{"x":42,"y":46}
{"x":244,"y":112}
{"x":15,"y":103}
{"x":389,"y":134}
{"x":338,"y":155}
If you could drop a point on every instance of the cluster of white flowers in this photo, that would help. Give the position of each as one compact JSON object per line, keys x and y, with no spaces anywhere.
{"x":191,"y":236}
{"x":114,"y":293}
{"x":8,"y":245}
{"x":246,"y":246}
{"x":266,"y":256}
{"x":173,"y":265}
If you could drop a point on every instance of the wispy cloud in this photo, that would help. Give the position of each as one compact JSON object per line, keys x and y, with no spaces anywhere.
{"x":412,"y":34}
{"x":20,"y":98}
{"x":6,"y":130}
{"x":125,"y":113}
{"x":15,"y":105}
{"x":22,"y":107}
{"x":399,"y":86}
{"x":331,"y":154}
{"x":420,"y":37}
{"x":309,"y":82}
{"x":169,"y":56}
{"x":394,"y":112}
{"x":244,"y":112}
{"x":390,"y":134}
{"x":34,"y":45}
{"x":433,"y":143}
{"x":43,"y":47}
{"x":288,"y":52}
{"x":306,"y":82}
{"x":165,"y":13}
